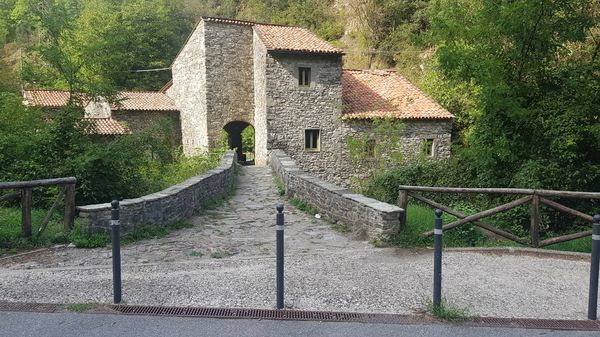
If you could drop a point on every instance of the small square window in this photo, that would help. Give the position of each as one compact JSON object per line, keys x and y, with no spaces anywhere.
{"x":304,"y":77}
{"x":312,"y":139}
{"x":429,"y":147}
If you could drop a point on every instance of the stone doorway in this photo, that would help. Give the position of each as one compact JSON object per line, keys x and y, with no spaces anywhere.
{"x":240,"y":137}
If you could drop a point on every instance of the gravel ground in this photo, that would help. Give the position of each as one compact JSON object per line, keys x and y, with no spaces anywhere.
{"x":324,"y":270}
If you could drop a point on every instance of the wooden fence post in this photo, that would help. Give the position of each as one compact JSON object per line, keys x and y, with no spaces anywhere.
{"x":69,"y":207}
{"x":402,"y":203}
{"x":26,"y":204}
{"x":534,"y":230}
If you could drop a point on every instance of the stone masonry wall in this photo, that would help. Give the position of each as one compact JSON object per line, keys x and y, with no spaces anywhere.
{"x":291,"y":109}
{"x":229,"y":76}
{"x":140,"y":120}
{"x":415,"y":133}
{"x":173,"y":204}
{"x":377,"y":218}
{"x":188,"y":91}
{"x":260,"y":102}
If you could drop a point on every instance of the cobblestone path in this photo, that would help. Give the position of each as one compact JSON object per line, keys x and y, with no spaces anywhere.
{"x":244,"y":225}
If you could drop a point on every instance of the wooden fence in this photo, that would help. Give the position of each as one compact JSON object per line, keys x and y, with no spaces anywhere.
{"x":25,"y":193}
{"x":534,"y":197}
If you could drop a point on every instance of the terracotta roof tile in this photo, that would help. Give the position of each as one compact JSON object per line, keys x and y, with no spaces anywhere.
{"x":147,"y":101}
{"x":293,"y":39}
{"x":46,"y":98}
{"x":128,"y":100}
{"x":385,"y":94}
{"x":106,"y":127}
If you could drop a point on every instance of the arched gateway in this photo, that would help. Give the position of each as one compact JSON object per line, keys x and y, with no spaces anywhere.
{"x":240,"y":136}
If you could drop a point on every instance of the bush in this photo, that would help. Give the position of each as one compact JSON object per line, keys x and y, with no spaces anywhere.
{"x":457,"y":172}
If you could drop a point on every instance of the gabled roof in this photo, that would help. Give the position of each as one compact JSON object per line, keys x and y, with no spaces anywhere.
{"x":293,"y":39}
{"x":127,"y":100}
{"x":46,"y":98}
{"x":283,"y":38}
{"x":106,"y":127}
{"x":368,"y":94}
{"x":144,"y":101}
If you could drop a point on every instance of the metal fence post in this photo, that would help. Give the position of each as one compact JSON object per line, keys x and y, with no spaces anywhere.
{"x":115,"y":226}
{"x":595,"y":264}
{"x":279,"y":231}
{"x":437,"y":259}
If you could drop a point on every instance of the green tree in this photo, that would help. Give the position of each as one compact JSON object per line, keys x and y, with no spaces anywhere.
{"x":533,"y":119}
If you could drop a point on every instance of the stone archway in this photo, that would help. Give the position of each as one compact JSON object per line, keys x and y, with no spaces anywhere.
{"x":240,"y":136}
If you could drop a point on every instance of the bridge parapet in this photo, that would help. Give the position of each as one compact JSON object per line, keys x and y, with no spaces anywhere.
{"x":378,"y":219}
{"x":170,"y":205}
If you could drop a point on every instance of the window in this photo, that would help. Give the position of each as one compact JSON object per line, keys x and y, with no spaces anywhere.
{"x":312,"y":139}
{"x":428,"y":147}
{"x":304,"y":77}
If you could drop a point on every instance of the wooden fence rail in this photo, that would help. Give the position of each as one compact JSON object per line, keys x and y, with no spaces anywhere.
{"x":67,"y":191}
{"x":534,"y":197}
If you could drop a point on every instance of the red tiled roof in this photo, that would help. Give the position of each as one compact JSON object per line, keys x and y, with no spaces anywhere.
{"x":284,"y":38}
{"x":127,"y":100}
{"x":146,"y":101}
{"x":293,"y":39}
{"x":106,"y":127}
{"x":46,"y":98}
{"x":385,"y":94}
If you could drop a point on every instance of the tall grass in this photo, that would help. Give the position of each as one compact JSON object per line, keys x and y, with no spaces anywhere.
{"x":10,"y":230}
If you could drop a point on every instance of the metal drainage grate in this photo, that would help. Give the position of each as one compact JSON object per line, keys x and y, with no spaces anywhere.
{"x":30,"y":307}
{"x":296,"y":315}
{"x":529,"y":323}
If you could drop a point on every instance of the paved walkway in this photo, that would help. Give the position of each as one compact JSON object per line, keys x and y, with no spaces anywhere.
{"x":227,"y":260}
{"x":23,"y":324}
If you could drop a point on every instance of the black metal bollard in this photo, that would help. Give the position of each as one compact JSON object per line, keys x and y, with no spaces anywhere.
{"x":115,"y":226}
{"x":279,"y":231}
{"x":437,"y":259}
{"x":593,"y":300}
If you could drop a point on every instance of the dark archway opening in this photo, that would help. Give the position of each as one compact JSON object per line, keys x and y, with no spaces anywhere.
{"x":240,"y":137}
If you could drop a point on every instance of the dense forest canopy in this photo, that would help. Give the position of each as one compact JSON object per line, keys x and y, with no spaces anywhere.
{"x":521,"y":76}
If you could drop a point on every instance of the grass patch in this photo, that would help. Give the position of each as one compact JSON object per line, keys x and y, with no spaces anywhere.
{"x":583,"y":245}
{"x":303,"y":206}
{"x":11,"y":239}
{"x":421,"y":219}
{"x":447,"y":313}
{"x":341,"y":227}
{"x":79,"y":307}
{"x":279,"y":185}
{"x":221,"y":254}
{"x":152,"y":232}
{"x":196,"y":253}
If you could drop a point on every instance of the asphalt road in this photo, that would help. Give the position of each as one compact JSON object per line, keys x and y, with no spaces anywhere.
{"x":21,"y":324}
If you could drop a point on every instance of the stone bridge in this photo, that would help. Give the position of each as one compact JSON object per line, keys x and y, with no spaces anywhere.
{"x":177,"y":203}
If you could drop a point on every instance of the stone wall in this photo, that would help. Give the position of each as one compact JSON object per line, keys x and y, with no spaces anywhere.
{"x":229,"y":76}
{"x":292,"y":109}
{"x":140,"y":120}
{"x":377,"y":218}
{"x":188,"y":91}
{"x":413,"y":136}
{"x":173,"y":204}
{"x":260,"y":102}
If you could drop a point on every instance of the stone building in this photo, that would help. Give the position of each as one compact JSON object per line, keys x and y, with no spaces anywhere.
{"x":289,"y":85}
{"x":132,"y":112}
